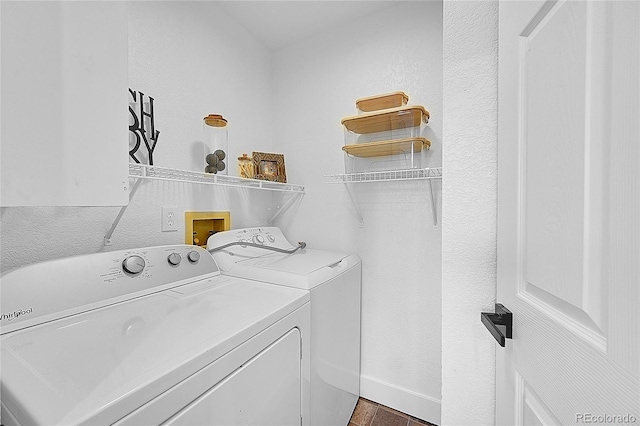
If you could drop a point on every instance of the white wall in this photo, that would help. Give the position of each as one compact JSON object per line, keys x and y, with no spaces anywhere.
{"x":469,"y":210}
{"x":193,"y":60}
{"x":316,"y":83}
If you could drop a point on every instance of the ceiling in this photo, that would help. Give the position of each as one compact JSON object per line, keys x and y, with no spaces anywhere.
{"x":280,"y":23}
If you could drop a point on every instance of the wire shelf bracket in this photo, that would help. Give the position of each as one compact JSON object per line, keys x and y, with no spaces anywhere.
{"x":386,"y":176}
{"x":281,"y":209}
{"x":144,"y":172}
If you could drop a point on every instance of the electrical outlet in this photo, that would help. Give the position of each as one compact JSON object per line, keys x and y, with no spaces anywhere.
{"x":169,"y":218}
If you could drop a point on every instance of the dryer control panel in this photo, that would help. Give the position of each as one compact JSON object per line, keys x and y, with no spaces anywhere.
{"x":49,"y":290}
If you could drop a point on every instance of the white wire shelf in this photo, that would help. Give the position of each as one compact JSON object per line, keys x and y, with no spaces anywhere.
{"x":144,"y":171}
{"x":387,"y":175}
{"x":141,"y":172}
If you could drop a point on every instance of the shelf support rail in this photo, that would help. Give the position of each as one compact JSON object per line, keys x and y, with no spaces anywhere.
{"x":433,"y":205}
{"x":285,"y":206}
{"x":355,"y":206}
{"x":107,"y":237}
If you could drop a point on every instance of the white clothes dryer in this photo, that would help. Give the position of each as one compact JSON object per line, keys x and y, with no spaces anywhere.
{"x":150,"y":336}
{"x":333,"y":280}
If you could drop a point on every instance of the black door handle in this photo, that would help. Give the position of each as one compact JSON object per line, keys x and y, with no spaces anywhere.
{"x":499,"y":323}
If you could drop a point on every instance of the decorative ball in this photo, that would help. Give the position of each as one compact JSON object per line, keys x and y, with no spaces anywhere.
{"x":221,"y":166}
{"x":220,"y":154}
{"x":212,"y":159}
{"x":211,"y":169}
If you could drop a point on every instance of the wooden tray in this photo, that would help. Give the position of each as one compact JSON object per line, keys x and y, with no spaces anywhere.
{"x":378,"y":102}
{"x":386,"y":120}
{"x":388,"y":147}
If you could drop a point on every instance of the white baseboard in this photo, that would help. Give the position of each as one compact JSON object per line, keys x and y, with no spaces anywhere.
{"x":418,"y":405}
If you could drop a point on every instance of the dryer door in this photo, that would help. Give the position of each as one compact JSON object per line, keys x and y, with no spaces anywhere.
{"x":263,"y":391}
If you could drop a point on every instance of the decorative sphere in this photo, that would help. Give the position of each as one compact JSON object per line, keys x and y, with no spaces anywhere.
{"x":210,"y":169}
{"x":221,"y":166}
{"x":212,"y":159}
{"x":220,"y":154}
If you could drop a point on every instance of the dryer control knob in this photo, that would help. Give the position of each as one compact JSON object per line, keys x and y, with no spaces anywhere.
{"x":271,"y":238}
{"x":174,"y":259}
{"x":193,"y":256}
{"x":133,"y":264}
{"x":258,"y":239}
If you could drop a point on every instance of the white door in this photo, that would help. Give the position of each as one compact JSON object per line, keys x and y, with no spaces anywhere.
{"x":569,"y":212}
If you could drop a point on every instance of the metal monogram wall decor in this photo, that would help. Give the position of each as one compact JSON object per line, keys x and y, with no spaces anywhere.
{"x":141,"y":123}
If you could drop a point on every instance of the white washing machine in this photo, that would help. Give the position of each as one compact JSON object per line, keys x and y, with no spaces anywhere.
{"x":151,"y":336}
{"x":333,"y":280}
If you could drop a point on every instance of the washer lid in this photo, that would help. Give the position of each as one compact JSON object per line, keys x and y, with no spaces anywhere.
{"x":304,"y":269}
{"x":98,"y":366}
{"x":303,"y":262}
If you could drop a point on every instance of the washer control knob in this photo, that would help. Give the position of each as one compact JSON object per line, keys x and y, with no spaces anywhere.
{"x":193,"y":256}
{"x":258,"y":239}
{"x":133,"y":264}
{"x":174,"y":259}
{"x":271,"y":238}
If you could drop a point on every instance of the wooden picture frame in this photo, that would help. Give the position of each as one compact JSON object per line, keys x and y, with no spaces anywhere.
{"x":269,"y":166}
